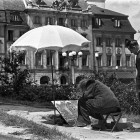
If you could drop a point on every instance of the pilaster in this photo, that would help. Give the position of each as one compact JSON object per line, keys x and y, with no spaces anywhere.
{"x":113,"y":52}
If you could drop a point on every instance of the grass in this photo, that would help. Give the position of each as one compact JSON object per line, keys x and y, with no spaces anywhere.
{"x":3,"y":137}
{"x":8,"y":101}
{"x":33,"y":128}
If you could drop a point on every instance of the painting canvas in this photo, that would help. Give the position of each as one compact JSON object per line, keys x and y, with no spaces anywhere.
{"x":68,"y":110}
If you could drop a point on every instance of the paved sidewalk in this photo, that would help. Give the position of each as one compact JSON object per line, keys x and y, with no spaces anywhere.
{"x":80,"y":133}
{"x":40,"y":114}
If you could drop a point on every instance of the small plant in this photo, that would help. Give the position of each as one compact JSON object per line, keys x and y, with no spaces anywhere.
{"x":34,"y":128}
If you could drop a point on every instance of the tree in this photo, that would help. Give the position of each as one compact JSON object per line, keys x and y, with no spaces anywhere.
{"x":11,"y":74}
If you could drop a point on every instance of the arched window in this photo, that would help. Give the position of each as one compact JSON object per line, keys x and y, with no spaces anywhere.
{"x":63,"y":80}
{"x":78,"y":79}
{"x":44,"y":80}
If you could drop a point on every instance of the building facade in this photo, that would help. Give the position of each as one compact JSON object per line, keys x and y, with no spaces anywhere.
{"x":107,"y":31}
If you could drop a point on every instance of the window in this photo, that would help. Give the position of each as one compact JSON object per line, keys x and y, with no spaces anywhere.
{"x":98,"y":21}
{"x":118,"y":60}
{"x":108,"y":60}
{"x":98,"y":41}
{"x":38,"y":59}
{"x":127,"y":61}
{"x":84,"y":35}
{"x":10,"y":35}
{"x":99,"y":60}
{"x":37,"y":20}
{"x":83,"y":23}
{"x":108,"y":41}
{"x":85,"y":60}
{"x":48,"y":58}
{"x":22,"y":57}
{"x":44,"y":80}
{"x":63,"y":80}
{"x":21,"y":33}
{"x":15,"y":17}
{"x":63,"y":62}
{"x":117,"y":42}
{"x":61,"y":22}
{"x":49,"y":21}
{"x":73,"y":22}
{"x":117,"y":23}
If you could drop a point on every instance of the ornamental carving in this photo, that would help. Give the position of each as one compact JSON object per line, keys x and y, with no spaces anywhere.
{"x":109,"y":50}
{"x":57,"y":4}
{"x":62,"y":4}
{"x":118,"y":51}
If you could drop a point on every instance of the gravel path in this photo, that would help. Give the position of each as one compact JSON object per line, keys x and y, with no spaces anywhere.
{"x":38,"y":114}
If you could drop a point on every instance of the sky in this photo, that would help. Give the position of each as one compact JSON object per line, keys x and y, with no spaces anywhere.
{"x":127,"y":7}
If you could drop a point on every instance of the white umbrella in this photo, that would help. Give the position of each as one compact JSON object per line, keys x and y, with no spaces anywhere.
{"x":51,"y":37}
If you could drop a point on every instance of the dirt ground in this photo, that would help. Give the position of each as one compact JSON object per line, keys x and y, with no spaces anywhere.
{"x":39,"y":115}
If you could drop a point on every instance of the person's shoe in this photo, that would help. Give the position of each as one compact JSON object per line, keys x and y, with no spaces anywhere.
{"x":79,"y":124}
{"x":89,"y":127}
{"x":100,"y":125}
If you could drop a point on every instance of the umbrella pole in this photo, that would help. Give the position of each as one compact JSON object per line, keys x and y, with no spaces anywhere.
{"x":53,"y":86}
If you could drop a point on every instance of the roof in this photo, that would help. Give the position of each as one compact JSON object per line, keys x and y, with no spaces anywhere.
{"x":108,"y":25}
{"x":12,"y":5}
{"x":107,"y":17}
{"x":101,"y":11}
{"x":105,"y":14}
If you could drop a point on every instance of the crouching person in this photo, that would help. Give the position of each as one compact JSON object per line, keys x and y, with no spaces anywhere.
{"x":97,"y":99}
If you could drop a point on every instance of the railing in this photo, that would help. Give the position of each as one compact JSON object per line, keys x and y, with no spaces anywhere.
{"x":62,"y":68}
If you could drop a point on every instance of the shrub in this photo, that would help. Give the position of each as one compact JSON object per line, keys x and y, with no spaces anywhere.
{"x":126,"y":93}
{"x":45,"y":93}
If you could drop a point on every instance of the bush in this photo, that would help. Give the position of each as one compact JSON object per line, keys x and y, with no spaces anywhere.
{"x":45,"y":93}
{"x":126,"y":93}
{"x":6,"y":91}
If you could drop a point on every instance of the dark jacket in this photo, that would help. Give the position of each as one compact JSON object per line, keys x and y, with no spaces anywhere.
{"x":138,"y":70}
{"x":100,"y":95}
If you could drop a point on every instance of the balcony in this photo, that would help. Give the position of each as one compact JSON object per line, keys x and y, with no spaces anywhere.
{"x":62,"y":68}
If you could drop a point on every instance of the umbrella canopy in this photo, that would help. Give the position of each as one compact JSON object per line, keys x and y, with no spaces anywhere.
{"x":51,"y":37}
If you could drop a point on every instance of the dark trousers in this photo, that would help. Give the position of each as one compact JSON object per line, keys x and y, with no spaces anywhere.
{"x":85,"y":110}
{"x":138,"y":95}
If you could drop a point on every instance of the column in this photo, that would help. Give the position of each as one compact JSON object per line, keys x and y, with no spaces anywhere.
{"x":113,"y":52}
{"x":43,"y":20}
{"x":66,"y":20}
{"x":94,"y":47}
{"x":32,"y":60}
{"x":56,"y":20}
{"x":44,"y":59}
{"x":80,"y":62}
{"x":73,"y":74}
{"x":123,"y":55}
{"x":56,"y":60}
{"x":104,"y":53}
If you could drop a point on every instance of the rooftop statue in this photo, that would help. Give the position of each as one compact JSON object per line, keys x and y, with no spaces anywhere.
{"x":62,"y":4}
